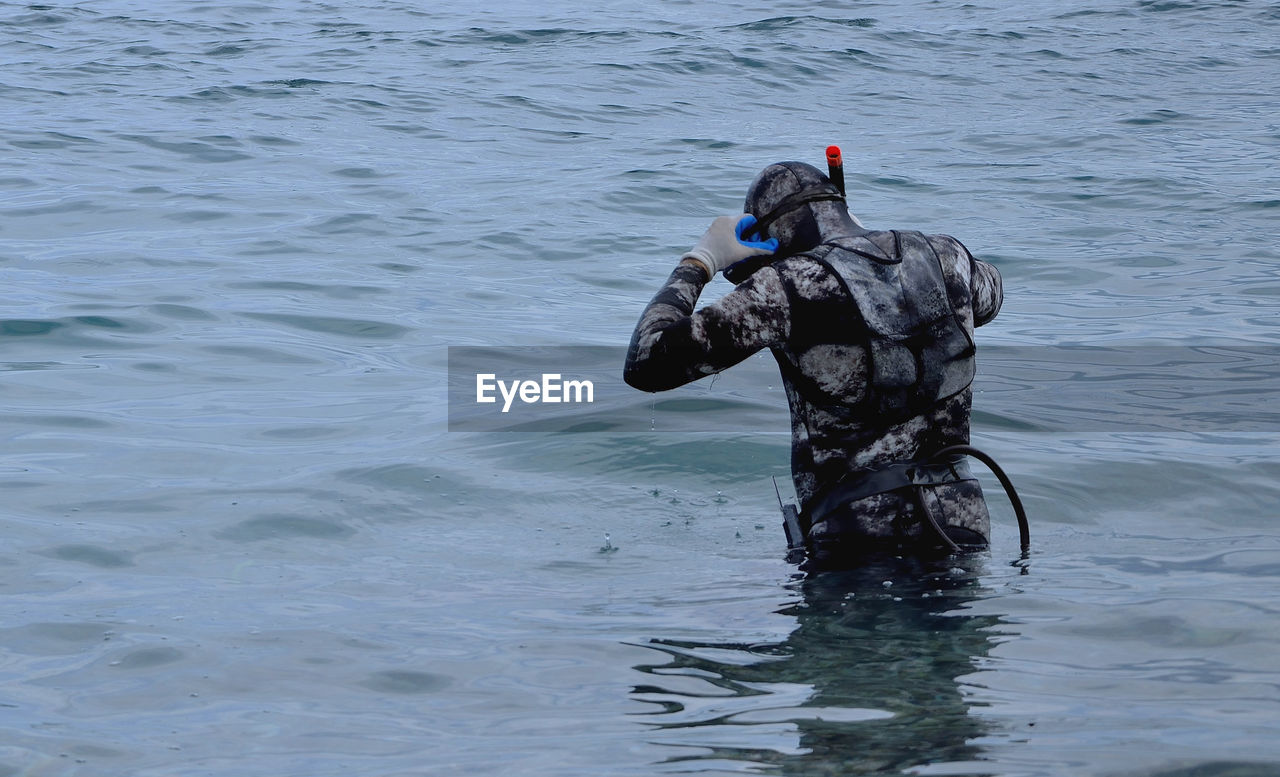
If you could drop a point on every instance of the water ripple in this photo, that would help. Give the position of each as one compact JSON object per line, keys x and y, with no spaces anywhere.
{"x":237,"y":237}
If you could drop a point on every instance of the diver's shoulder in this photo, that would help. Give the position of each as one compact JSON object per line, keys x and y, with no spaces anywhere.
{"x":806,"y":273}
{"x":946,"y":242}
{"x":805,"y":263}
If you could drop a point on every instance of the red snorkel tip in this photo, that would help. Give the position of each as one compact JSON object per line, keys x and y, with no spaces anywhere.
{"x":835,"y":167}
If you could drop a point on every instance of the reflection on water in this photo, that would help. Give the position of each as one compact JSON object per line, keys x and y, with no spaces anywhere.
{"x":869,"y":682}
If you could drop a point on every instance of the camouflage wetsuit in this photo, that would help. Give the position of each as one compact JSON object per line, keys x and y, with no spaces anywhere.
{"x":800,"y":309}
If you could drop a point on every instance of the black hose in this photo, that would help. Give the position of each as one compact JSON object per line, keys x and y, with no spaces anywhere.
{"x":1024,"y":530}
{"x":933,"y":522}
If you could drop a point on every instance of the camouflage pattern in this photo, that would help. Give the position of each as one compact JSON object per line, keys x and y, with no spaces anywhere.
{"x":801,"y":311}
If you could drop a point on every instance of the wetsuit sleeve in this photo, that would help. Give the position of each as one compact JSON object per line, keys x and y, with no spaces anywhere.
{"x":672,"y":345}
{"x":988,"y":290}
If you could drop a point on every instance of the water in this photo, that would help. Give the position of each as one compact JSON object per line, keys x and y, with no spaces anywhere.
{"x":237,"y":240}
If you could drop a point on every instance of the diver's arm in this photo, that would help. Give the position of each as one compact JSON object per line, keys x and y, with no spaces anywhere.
{"x":672,"y":345}
{"x":988,"y":291}
{"x":648,"y":365}
{"x":986,"y":288}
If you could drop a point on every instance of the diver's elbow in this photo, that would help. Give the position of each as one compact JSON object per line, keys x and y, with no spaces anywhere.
{"x":637,"y":377}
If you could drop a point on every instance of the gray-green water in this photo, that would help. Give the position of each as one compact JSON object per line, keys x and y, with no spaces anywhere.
{"x":237,"y":240}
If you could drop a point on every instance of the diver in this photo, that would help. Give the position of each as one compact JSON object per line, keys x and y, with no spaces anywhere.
{"x":872,"y":331}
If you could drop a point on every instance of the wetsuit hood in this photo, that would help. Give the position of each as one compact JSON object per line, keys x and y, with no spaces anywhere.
{"x":788,"y":199}
{"x":782,"y":197}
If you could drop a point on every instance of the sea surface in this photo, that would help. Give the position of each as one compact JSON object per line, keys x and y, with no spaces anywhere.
{"x":238,"y":241}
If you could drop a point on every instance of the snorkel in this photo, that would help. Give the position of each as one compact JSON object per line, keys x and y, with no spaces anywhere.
{"x":835,"y":167}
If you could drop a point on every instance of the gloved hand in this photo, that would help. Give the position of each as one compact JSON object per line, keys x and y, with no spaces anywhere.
{"x":723,"y":244}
